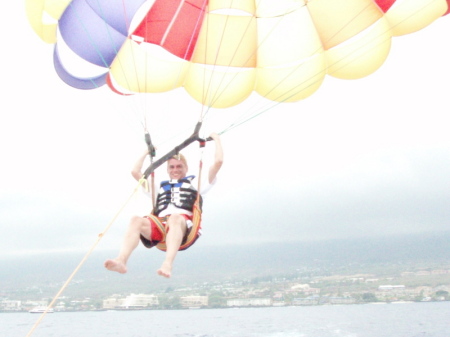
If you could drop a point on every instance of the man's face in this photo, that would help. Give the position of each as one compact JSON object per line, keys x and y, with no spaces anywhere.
{"x":176,"y":169}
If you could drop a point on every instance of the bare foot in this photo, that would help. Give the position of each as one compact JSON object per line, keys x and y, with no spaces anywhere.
{"x":116,"y":265}
{"x":165,"y":270}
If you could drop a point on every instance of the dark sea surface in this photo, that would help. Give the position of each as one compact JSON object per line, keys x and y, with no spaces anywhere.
{"x":431,"y":319}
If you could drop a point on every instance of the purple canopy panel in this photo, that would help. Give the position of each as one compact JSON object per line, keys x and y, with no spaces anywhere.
{"x":117,"y":13}
{"x":76,"y":82}
{"x":89,"y":35}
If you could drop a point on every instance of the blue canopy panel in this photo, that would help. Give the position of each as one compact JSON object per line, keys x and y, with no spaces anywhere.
{"x":77,"y":82}
{"x":95,"y":30}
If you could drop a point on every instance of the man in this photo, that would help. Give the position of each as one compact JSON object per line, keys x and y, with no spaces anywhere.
{"x":176,"y":224}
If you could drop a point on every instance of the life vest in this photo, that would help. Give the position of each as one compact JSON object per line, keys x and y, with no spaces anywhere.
{"x":181,"y":193}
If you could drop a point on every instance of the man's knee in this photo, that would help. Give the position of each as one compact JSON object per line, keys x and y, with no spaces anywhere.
{"x":138,"y":223}
{"x":177,"y":220}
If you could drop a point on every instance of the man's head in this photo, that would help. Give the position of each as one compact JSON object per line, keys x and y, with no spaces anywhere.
{"x":177,"y":167}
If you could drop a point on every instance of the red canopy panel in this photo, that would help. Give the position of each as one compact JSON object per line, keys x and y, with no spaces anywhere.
{"x":174,"y":25}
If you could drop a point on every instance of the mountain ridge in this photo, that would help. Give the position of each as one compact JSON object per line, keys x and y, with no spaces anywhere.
{"x":203,"y":263}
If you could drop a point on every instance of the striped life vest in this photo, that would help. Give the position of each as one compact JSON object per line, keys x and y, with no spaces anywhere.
{"x":181,"y":193}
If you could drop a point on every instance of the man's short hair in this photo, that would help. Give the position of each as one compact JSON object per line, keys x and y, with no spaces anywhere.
{"x":179,"y":156}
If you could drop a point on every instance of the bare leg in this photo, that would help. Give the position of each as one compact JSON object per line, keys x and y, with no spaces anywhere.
{"x":131,"y":240}
{"x":176,"y":226}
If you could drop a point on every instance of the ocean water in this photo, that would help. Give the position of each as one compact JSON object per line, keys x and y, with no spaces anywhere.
{"x":368,"y":320}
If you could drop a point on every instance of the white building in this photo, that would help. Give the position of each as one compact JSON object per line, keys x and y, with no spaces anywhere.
{"x":9,"y":305}
{"x":391,"y":287}
{"x":310,"y":300}
{"x":112,"y":302}
{"x":193,"y":301}
{"x":305,"y":289}
{"x":249,"y":302}
{"x":133,"y":301}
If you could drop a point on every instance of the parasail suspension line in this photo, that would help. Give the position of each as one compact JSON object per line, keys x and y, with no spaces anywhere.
{"x":152,"y":154}
{"x":83,"y":260}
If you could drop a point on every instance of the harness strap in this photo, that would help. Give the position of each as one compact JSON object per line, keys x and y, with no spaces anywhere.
{"x":159,"y":223}
{"x":193,"y":233}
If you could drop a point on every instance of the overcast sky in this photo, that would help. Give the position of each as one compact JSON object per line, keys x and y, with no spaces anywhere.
{"x":369,"y":157}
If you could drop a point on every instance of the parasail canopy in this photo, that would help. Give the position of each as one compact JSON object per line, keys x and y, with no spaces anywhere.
{"x":221,"y":51}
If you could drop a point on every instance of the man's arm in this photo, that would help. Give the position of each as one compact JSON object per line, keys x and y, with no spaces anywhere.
{"x":136,"y":172}
{"x":218,"y":158}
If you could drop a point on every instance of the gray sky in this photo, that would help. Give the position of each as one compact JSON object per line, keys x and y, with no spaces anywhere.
{"x":358,"y":158}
